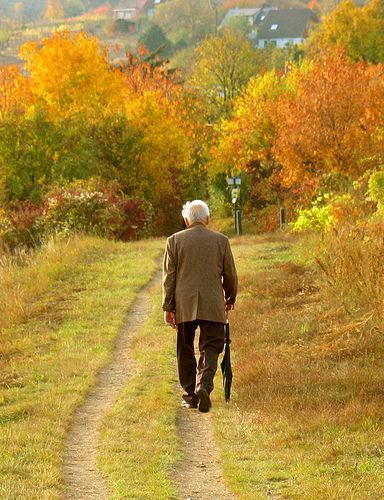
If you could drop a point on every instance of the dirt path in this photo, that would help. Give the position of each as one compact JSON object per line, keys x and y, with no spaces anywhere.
{"x":198,"y":475}
{"x":81,"y":474}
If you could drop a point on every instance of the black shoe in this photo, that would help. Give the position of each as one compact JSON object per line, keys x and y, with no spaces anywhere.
{"x":189,"y":401}
{"x":204,"y":400}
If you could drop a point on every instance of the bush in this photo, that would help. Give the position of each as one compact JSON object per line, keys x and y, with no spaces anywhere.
{"x":95,"y":209}
{"x":264,"y":220}
{"x":136,"y":219}
{"x":76,"y":210}
{"x":327,"y":212}
{"x":81,"y":207}
{"x":317,"y":218}
{"x":18,"y":225}
{"x":376,"y":189}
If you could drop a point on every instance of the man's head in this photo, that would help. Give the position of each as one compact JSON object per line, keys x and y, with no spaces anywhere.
{"x":195,"y":211}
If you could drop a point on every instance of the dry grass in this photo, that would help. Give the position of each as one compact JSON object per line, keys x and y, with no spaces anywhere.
{"x":352,"y":260}
{"x":307,"y":414}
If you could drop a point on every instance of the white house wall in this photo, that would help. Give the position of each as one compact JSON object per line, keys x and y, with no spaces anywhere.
{"x":280,"y":42}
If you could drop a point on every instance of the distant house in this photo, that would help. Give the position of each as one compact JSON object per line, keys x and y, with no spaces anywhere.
{"x":285,"y":27}
{"x":132,"y":10}
{"x":254,"y":17}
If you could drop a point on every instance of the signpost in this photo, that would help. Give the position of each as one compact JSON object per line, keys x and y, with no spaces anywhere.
{"x":234,"y":184}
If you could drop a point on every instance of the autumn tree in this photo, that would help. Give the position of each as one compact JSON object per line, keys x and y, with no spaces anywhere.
{"x":172,"y":125}
{"x":246,"y":139}
{"x":71,"y":75}
{"x":223,"y":67}
{"x":359,"y":31}
{"x":327,"y":132}
{"x":185,"y":20}
{"x":15,"y":96}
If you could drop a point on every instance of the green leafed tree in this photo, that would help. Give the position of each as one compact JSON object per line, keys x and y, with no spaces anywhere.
{"x":224,"y":66}
{"x":187,"y":20}
{"x":73,"y":8}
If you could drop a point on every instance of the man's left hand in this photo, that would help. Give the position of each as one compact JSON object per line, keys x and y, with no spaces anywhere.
{"x":170,"y":318}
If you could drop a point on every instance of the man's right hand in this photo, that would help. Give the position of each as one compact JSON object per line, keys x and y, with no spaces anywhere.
{"x":170,"y":318}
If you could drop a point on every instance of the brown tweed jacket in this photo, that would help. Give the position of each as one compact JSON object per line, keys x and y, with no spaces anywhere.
{"x":199,"y":274}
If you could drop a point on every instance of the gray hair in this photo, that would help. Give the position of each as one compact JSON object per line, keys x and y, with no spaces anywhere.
{"x":195,"y":210}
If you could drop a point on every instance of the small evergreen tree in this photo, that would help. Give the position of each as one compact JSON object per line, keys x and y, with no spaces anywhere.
{"x":154,"y":38}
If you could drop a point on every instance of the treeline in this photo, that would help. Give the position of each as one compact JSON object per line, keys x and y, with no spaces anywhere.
{"x":75,"y":127}
{"x":86,"y":146}
{"x":31,"y":11}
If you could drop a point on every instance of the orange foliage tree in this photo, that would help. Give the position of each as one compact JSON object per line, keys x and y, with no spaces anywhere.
{"x":327,"y":131}
{"x":317,"y":128}
{"x":15,"y":94}
{"x":245,"y":141}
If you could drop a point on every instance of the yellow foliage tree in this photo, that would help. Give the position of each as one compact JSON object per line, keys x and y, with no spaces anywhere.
{"x":71,"y":75}
{"x":223,"y":67}
{"x":163,"y":150}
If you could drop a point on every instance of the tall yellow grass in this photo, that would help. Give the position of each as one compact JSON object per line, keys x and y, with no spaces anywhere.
{"x":352,"y":261}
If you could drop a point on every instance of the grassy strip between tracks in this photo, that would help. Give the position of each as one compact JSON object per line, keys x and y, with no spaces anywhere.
{"x":140,"y":444}
{"x":65,"y":306}
{"x":306,"y":416}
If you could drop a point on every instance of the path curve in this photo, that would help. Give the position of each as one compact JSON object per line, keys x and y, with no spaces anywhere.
{"x":82,"y":477}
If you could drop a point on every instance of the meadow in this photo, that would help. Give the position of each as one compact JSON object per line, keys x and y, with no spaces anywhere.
{"x":305,"y":418}
{"x":61,"y":310}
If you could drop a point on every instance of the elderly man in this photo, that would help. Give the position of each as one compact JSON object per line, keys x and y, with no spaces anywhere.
{"x":199,"y":287}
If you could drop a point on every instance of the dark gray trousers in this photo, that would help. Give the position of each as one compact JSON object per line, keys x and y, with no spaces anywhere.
{"x":193,"y":375}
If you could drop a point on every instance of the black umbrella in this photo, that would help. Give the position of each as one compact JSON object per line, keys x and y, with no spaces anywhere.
{"x":226,"y":367}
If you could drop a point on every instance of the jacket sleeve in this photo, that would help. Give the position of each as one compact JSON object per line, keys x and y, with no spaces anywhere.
{"x":229,"y":276}
{"x":169,"y":278}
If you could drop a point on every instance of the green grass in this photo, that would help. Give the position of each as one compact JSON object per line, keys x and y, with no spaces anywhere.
{"x":306,"y":417}
{"x":50,"y":352}
{"x":140,"y":445}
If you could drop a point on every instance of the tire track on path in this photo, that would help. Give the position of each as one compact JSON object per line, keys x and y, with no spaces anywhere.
{"x":82,"y":477}
{"x":199,"y":476}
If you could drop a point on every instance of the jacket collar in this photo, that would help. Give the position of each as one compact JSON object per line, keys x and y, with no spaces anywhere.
{"x":197,"y":224}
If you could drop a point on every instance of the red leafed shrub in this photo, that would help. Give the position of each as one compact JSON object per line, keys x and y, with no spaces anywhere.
{"x":137,"y":219}
{"x":18,"y":224}
{"x":94,"y":208}
{"x":87,"y":207}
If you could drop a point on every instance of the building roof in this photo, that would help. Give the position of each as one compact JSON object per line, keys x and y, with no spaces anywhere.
{"x":131,"y":4}
{"x":286,"y":23}
{"x":237,"y":12}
